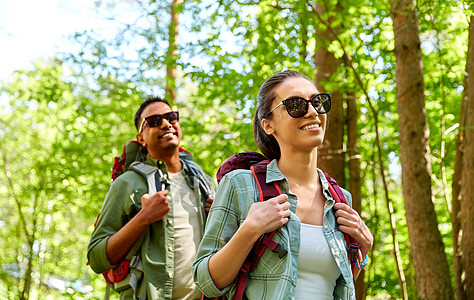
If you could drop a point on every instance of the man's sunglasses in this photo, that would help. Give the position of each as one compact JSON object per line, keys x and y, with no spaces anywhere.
{"x":298,"y":107}
{"x":156,"y":120}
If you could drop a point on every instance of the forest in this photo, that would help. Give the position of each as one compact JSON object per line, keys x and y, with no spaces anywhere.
{"x":400,"y":133}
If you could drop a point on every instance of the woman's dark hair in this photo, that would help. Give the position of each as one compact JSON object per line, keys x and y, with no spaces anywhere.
{"x":144,"y":105}
{"x":267,"y":143}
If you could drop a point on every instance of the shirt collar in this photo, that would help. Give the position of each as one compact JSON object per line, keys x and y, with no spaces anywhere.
{"x":274,"y":174}
{"x":161,"y":164}
{"x":154,"y":162}
{"x":324,"y":184}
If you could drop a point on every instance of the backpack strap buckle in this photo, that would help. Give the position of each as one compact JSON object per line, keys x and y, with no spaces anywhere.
{"x":353,"y":251}
{"x":281,"y":251}
{"x":244,"y":269}
{"x":274,"y":246}
{"x":354,"y":248}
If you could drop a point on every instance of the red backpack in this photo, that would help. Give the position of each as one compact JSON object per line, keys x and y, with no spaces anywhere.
{"x":258,"y":163}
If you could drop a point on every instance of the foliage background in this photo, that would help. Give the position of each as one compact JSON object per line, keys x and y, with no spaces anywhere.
{"x":67,"y":117}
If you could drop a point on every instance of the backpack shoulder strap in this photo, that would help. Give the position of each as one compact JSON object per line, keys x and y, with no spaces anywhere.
{"x":153,"y":175}
{"x":334,"y":188}
{"x":185,"y":154}
{"x":205,"y":182}
{"x":136,"y":246}
{"x":338,"y":195}
{"x":265,"y":192}
{"x":155,"y":180}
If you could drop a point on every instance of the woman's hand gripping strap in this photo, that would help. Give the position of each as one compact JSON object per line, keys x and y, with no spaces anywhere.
{"x":352,"y":246}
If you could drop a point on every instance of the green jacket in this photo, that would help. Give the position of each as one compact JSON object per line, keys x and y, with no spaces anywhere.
{"x":122,"y":202}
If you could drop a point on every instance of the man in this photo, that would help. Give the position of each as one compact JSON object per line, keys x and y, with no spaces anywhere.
{"x":169,"y":224}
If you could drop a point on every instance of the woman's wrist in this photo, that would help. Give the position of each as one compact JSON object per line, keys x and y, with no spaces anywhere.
{"x":250,"y":231}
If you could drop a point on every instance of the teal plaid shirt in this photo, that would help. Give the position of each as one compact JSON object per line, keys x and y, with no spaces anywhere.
{"x":272,"y":278}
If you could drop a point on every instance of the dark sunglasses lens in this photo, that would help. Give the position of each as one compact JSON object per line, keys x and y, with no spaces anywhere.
{"x":172,"y":116}
{"x":154,"y":121}
{"x":321,"y":103}
{"x":296,"y":107}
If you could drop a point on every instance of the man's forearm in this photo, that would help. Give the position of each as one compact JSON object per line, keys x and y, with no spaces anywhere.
{"x":120,"y":243}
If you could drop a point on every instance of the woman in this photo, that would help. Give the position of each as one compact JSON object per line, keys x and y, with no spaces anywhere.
{"x":289,"y":125}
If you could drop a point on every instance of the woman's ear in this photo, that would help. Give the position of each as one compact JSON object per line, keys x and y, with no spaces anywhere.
{"x":267,"y":127}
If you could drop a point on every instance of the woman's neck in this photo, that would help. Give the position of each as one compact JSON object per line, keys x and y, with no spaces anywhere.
{"x":300,"y":167}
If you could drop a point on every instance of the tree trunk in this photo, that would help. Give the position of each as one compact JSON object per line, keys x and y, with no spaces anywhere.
{"x":172,"y":54}
{"x":353,"y":152}
{"x":467,"y":189}
{"x":429,"y":259}
{"x":330,"y":153}
{"x":457,"y":176}
{"x":354,"y":172}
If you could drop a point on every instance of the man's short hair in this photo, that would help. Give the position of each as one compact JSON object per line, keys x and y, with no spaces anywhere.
{"x":144,"y":105}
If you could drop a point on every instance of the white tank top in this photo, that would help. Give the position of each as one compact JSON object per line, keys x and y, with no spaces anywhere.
{"x":317,"y":269}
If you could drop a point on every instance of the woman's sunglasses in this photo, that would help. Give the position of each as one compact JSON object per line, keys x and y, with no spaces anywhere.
{"x":156,"y":120}
{"x":298,"y":107}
